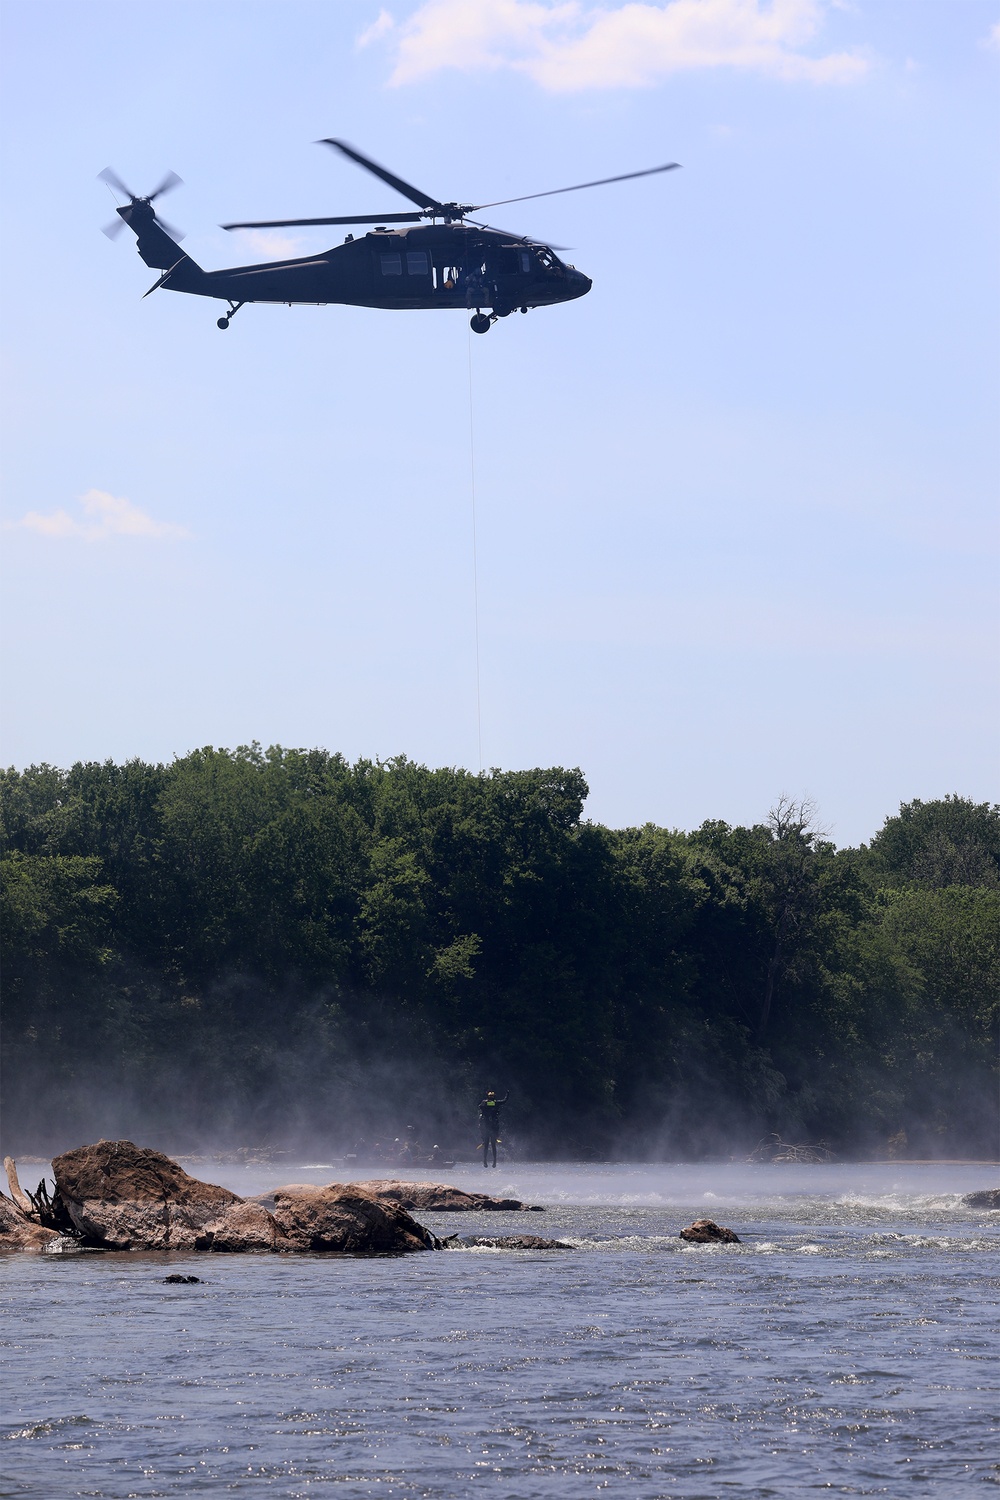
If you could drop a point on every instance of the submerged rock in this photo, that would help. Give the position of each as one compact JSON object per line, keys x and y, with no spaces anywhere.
{"x":182,"y":1280}
{"x":436,"y":1198}
{"x":987,"y":1198}
{"x":512,"y":1242}
{"x":707,"y":1232}
{"x":345,"y":1217}
{"x":18,"y":1232}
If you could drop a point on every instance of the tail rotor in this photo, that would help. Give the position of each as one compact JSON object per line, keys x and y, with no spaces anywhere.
{"x":139,"y":206}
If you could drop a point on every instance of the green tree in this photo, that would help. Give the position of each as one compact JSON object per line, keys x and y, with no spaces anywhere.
{"x":950,"y":841}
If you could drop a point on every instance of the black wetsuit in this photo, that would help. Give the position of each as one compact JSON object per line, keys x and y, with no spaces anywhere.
{"x":489,"y":1124}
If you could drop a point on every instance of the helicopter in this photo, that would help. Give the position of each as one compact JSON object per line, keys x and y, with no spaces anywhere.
{"x":452,"y":261}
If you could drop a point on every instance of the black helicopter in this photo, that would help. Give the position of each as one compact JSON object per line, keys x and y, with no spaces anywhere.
{"x":451,"y":262}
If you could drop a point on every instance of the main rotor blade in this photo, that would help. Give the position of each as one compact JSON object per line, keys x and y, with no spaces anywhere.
{"x":110,"y":176}
{"x":166,"y":186}
{"x":601,"y":182}
{"x":342,"y":219}
{"x":422,"y":200}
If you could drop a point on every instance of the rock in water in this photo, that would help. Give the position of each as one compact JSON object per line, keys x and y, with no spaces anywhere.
{"x":707,"y":1232}
{"x":988,"y":1198}
{"x":182,"y":1280}
{"x":128,"y":1197}
{"x":347,"y":1218}
{"x":18,"y":1232}
{"x":436,"y":1198}
{"x":512,"y":1242}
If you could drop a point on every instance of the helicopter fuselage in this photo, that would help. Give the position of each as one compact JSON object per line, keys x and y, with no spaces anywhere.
{"x":426,"y":266}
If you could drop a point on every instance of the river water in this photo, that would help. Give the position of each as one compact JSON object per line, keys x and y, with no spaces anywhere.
{"x":848,"y":1346}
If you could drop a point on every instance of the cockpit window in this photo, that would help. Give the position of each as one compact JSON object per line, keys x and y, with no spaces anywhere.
{"x":526,"y":266}
{"x":416,"y":263}
{"x":392,"y":264}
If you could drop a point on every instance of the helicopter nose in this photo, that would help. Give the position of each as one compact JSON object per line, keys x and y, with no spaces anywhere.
{"x":581,"y":284}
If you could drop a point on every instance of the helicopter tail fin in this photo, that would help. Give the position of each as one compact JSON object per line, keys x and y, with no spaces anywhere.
{"x":157,"y":248}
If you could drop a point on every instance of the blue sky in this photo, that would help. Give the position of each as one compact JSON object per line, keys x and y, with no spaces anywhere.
{"x":736,"y":508}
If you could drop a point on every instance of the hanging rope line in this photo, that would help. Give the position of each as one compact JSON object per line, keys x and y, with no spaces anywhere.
{"x":475,"y":553}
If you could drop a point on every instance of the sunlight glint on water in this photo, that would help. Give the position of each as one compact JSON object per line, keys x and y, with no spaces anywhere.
{"x":847,"y":1346}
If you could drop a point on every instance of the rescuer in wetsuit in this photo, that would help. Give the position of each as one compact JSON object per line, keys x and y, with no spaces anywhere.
{"x":489,"y":1123}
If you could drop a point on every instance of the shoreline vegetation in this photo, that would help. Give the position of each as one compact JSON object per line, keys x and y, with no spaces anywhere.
{"x":282,"y":947}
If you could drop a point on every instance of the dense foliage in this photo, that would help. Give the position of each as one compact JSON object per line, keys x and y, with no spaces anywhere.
{"x":249,"y":945}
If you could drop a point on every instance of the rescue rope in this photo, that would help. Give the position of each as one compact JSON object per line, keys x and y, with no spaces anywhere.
{"x":475,"y":552}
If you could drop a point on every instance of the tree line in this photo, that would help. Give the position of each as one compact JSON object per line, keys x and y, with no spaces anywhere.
{"x":264,"y":946}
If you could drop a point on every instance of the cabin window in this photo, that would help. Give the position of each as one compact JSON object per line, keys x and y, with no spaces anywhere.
{"x":416,"y":263}
{"x":525,"y":262}
{"x":392,"y":264}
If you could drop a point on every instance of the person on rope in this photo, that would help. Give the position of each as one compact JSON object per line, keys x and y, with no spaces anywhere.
{"x":489,"y":1123}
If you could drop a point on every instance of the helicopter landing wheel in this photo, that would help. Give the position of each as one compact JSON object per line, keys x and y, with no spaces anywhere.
{"x":502,"y":311}
{"x":480,"y":323}
{"x":230,"y":313}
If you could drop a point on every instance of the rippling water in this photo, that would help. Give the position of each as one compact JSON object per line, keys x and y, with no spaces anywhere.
{"x":848,"y":1346}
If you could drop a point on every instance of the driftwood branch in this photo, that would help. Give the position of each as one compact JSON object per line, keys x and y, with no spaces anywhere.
{"x":17,"y":1192}
{"x":773,"y":1148}
{"x":49,"y":1211}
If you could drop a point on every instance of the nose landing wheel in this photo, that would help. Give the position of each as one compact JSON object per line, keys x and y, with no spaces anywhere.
{"x":480,"y":323}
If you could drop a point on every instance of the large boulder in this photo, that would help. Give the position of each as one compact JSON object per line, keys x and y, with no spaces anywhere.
{"x":127,"y":1197}
{"x":345,"y":1217}
{"x":436,"y":1198}
{"x":18,"y":1232}
{"x":707,"y":1232}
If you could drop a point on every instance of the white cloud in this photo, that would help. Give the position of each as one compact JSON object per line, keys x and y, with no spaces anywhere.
{"x":104,"y":515}
{"x":378,"y":29}
{"x":992,"y":39}
{"x":271,"y":243}
{"x":566,"y":45}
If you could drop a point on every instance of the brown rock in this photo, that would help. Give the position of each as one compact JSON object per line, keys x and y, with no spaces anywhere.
{"x":288,"y":1189}
{"x":127,"y":1197}
{"x":18,"y":1232}
{"x":707,"y":1232}
{"x":436,"y":1198}
{"x":240,"y":1227}
{"x":117,"y":1171}
{"x":346,"y":1217}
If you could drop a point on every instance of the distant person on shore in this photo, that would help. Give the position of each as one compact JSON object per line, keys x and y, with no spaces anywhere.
{"x":489,"y":1124}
